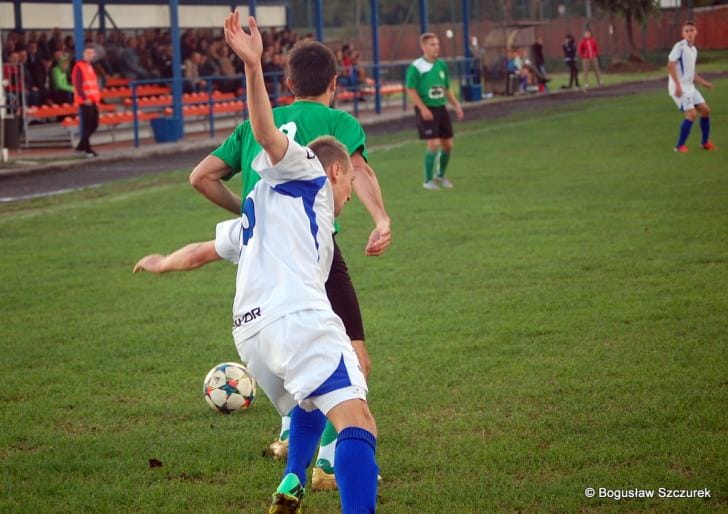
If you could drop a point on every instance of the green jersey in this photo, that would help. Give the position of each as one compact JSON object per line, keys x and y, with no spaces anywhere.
{"x":304,"y":121}
{"x":431,"y":80}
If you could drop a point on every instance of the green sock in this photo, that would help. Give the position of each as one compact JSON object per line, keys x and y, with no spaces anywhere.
{"x":444,"y":159}
{"x":429,"y":164}
{"x":327,"y":449}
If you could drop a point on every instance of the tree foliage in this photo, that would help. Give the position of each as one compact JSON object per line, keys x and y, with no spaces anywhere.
{"x":632,"y":10}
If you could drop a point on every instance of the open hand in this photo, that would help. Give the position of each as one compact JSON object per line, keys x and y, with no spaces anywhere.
{"x":379,"y":240}
{"x":151,"y":263}
{"x":248,"y":47}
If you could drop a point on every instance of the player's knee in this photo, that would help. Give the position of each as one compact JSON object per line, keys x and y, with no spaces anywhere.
{"x":433,"y":145}
{"x":447,"y":145}
{"x":690,"y":115}
{"x":366,"y":420}
{"x":704,"y":110}
{"x":353,"y":413}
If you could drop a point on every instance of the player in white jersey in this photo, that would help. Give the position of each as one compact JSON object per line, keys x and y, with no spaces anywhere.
{"x":283,"y":325}
{"x":681,"y":86}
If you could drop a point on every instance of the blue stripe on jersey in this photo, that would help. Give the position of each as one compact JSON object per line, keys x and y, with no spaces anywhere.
{"x":306,"y":190}
{"x":339,"y":379}
{"x":682,"y":66}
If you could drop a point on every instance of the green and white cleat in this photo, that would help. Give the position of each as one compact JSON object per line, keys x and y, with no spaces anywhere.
{"x":288,"y":496}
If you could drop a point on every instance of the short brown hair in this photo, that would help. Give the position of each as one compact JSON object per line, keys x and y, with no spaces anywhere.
{"x":311,"y":68}
{"x":688,"y":22}
{"x":426,"y":36}
{"x":329,"y":150}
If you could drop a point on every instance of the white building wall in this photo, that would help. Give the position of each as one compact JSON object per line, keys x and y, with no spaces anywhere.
{"x":48,"y":16}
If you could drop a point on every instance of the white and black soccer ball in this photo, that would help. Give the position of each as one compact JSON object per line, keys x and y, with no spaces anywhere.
{"x":228,"y":387}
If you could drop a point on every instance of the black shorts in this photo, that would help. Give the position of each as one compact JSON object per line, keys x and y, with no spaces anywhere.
{"x":342,"y":296}
{"x":439,"y":127}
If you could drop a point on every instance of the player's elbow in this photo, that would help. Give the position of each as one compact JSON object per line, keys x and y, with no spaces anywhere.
{"x":197,"y":178}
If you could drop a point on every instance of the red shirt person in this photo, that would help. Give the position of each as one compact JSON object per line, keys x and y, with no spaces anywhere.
{"x":86,"y":95}
{"x":589,"y":55}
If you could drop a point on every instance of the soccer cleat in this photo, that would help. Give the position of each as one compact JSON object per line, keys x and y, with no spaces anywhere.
{"x":709,"y":146}
{"x":321,"y":480}
{"x":681,"y":149}
{"x":431,"y":185}
{"x":288,"y":496}
{"x":279,"y":449}
{"x":444,"y":182}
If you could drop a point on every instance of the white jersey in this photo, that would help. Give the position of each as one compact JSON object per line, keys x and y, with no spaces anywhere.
{"x":685,"y":56}
{"x":283,"y":243}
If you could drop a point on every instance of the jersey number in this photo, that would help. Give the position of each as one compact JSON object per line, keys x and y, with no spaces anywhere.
{"x":248,"y":215}
{"x":289,"y":129}
{"x":248,"y":220}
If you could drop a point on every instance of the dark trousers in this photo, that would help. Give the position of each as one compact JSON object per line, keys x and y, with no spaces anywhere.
{"x":573,"y":74}
{"x":89,"y":124}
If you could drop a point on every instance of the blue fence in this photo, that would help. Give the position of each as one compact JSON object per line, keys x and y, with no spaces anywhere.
{"x":383,"y":83}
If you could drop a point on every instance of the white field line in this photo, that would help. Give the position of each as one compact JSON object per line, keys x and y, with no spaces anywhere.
{"x":12,"y":216}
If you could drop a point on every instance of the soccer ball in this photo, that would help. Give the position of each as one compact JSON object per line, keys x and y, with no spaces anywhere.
{"x":228,"y":387}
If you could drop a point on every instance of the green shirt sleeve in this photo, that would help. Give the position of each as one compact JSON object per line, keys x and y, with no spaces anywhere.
{"x":60,"y":80}
{"x":231,"y":150}
{"x":411,"y":80}
{"x":351,"y":134}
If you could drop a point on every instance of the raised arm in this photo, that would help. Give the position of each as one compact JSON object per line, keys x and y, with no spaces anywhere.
{"x":186,"y":258}
{"x":250,"y":49}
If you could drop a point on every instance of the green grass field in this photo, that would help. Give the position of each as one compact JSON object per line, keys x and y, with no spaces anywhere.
{"x":555,"y":322}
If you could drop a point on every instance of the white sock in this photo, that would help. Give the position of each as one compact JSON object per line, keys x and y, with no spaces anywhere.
{"x":285,"y":428}
{"x":326,"y":452}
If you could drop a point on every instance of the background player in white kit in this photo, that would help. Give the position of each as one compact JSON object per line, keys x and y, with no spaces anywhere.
{"x":284,"y":329}
{"x":681,"y":86}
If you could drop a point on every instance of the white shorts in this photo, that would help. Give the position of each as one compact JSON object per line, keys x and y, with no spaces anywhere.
{"x":688,"y":100}
{"x":304,"y":358}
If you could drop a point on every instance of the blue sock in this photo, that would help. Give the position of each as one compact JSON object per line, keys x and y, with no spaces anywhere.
{"x":705,"y":127}
{"x":684,"y":131}
{"x":304,"y":435}
{"x":356,"y":471}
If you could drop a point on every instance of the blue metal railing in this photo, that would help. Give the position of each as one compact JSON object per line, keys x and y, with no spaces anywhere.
{"x":211,"y":81}
{"x":396,"y":72}
{"x":389,"y":73}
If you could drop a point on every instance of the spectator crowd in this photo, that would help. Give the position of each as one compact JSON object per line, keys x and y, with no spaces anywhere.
{"x":38,"y":64}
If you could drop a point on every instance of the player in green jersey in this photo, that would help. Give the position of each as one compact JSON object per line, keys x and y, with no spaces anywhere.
{"x":428,"y":86}
{"x":312,"y":78}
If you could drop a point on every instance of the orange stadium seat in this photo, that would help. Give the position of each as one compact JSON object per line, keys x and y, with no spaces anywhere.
{"x":125,"y":92}
{"x":187,"y":98}
{"x":52,"y":111}
{"x":204,"y":110}
{"x":114,"y":118}
{"x":116,"y":81}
